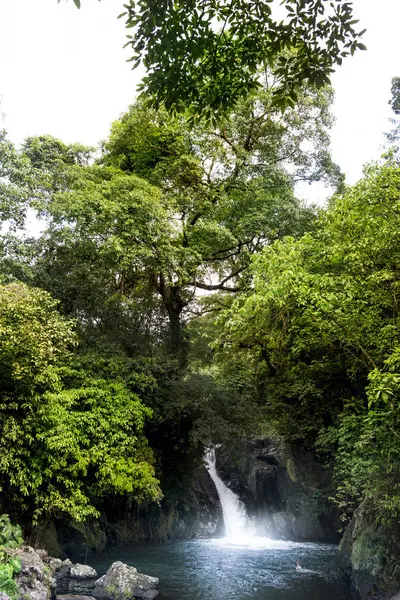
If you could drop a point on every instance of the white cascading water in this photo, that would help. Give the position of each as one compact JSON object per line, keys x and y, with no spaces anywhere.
{"x":237,"y":524}
{"x":239,"y":531}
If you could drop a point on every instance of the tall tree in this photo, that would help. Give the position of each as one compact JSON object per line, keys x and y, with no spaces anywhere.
{"x":230,"y":189}
{"x":212,"y":198}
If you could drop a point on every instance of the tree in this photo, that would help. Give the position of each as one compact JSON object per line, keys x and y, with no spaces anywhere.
{"x":14,"y":183}
{"x":394,"y":102}
{"x":212,"y":198}
{"x":207,"y":56}
{"x":395,"y":99}
{"x":230,"y":189}
{"x":324,"y":319}
{"x":68,"y":437}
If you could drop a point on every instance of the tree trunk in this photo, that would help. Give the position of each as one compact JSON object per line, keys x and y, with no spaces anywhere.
{"x":174,"y":304}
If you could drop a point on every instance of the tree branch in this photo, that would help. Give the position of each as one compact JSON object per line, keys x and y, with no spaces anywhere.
{"x":219,"y":286}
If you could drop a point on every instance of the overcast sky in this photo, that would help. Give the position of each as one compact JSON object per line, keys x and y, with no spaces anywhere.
{"x":64,"y":72}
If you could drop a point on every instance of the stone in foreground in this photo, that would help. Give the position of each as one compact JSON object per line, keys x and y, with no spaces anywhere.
{"x":73,"y":597}
{"x":4,"y":596}
{"x":122,"y":582}
{"x":34,"y":581}
{"x":81,"y":579}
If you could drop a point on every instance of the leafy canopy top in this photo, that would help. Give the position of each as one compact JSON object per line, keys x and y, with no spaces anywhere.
{"x":206,"y":55}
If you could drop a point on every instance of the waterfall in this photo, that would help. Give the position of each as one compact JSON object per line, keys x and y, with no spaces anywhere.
{"x":236,"y":521}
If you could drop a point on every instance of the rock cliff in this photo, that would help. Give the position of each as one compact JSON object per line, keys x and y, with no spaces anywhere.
{"x":371,"y":551}
{"x":285,"y":490}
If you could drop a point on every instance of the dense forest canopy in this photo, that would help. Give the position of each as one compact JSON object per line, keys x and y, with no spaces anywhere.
{"x":324,"y":312}
{"x":130,"y":237}
{"x":180,"y":294}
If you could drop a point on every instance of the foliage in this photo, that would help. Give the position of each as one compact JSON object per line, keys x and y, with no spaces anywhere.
{"x":395,"y":99}
{"x":212,"y":198}
{"x":14,"y":183}
{"x":166,"y":209}
{"x":68,"y":438}
{"x":208,"y":56}
{"x":324,"y":319}
{"x":10,"y":538}
{"x":394,"y":135}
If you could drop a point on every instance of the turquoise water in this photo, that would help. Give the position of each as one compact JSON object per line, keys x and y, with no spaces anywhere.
{"x":257,"y":569}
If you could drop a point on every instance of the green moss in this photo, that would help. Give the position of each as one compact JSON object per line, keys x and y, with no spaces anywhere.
{"x":291,"y":469}
{"x":369,"y":551}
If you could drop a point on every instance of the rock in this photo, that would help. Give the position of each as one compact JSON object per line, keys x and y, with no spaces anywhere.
{"x":285,"y":490}
{"x":73,"y":597}
{"x":42,"y":553}
{"x":54,"y":563}
{"x":62,"y":576}
{"x":35,"y":580}
{"x":79,"y":571}
{"x":81,"y":579}
{"x":372,"y":552}
{"x":4,"y":596}
{"x":74,"y":579}
{"x":122,"y":582}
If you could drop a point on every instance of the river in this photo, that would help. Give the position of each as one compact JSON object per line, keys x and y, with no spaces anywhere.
{"x":221,"y":570}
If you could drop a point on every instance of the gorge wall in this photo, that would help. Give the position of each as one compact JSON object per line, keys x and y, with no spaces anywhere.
{"x":285,"y":490}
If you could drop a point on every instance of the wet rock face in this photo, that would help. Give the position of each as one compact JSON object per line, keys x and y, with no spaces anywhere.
{"x":199,"y":512}
{"x":35,"y":580}
{"x":284,"y":490}
{"x":194,"y":511}
{"x":372,"y":552}
{"x":122,"y":582}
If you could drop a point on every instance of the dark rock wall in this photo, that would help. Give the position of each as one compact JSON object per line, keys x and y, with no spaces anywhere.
{"x":195,"y":511}
{"x":371,"y":551}
{"x":285,"y":490}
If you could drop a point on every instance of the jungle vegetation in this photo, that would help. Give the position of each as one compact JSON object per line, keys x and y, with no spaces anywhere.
{"x":178,"y":293}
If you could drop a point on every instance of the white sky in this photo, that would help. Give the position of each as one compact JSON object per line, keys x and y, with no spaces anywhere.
{"x":63,"y":71}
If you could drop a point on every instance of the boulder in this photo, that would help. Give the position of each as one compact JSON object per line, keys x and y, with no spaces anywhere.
{"x":73,"y":579}
{"x":81,"y":579}
{"x":35,"y":580}
{"x":122,"y":582}
{"x":54,"y":563}
{"x":62,"y":576}
{"x":73,"y":597}
{"x":79,"y":571}
{"x":42,"y":553}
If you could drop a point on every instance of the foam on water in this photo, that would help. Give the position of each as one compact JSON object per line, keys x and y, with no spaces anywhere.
{"x":256,"y":542}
